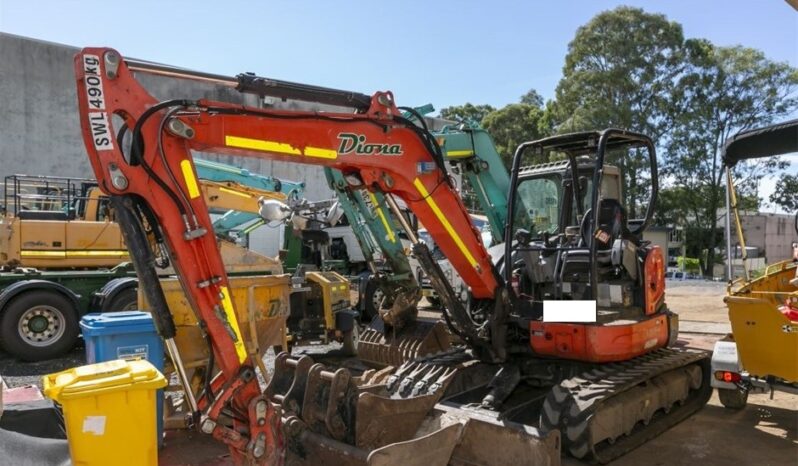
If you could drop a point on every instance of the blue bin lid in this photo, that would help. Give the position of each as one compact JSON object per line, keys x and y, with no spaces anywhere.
{"x":110,"y":323}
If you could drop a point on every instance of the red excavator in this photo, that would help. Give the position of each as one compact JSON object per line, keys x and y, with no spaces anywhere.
{"x":518,"y":387}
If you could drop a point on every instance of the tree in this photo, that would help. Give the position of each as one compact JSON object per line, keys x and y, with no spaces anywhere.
{"x":620,"y":71}
{"x":723,"y":91}
{"x":512,"y":125}
{"x":532,"y":98}
{"x":466,"y":113}
{"x":785,"y":195}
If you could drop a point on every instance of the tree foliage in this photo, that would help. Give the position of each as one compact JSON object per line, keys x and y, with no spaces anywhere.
{"x":723,"y":91}
{"x":630,"y":69}
{"x":466,"y":113}
{"x":786,"y":193}
{"x":512,"y":125}
{"x":620,"y":71}
{"x":532,"y":97}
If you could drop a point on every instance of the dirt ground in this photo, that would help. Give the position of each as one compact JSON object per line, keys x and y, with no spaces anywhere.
{"x":697,"y":301}
{"x":764,"y":433}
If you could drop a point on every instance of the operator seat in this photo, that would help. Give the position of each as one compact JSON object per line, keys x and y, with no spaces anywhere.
{"x":612,"y":225}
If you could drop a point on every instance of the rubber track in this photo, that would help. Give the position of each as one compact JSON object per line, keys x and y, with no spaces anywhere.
{"x":570,"y":405}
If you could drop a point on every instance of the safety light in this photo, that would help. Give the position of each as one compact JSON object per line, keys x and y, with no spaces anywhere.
{"x":727,"y":376}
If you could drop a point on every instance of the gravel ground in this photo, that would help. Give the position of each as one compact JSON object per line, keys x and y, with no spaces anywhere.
{"x":16,"y":373}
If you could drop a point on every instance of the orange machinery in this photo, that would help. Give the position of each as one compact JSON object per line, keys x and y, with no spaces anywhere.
{"x":512,"y":364}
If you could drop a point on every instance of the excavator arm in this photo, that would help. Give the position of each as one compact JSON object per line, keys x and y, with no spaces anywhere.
{"x":154,"y":186}
{"x":209,"y":171}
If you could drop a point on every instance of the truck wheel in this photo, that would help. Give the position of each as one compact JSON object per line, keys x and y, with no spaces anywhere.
{"x":733,"y":398}
{"x":373,"y":298}
{"x":39,"y":325}
{"x":350,"y":341}
{"x":125,"y":300}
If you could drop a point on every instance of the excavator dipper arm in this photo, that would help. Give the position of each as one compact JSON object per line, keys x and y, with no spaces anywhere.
{"x":157,"y":181}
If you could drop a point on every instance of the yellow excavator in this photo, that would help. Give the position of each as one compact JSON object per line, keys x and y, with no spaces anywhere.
{"x":761,"y":354}
{"x":57,"y":223}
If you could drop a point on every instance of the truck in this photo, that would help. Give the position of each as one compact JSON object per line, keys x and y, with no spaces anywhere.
{"x":59,"y":250}
{"x":63,"y":254}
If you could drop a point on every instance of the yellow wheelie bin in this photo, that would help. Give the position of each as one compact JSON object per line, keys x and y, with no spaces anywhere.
{"x":109,"y":411}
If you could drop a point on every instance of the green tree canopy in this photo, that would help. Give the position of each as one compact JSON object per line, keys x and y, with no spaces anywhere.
{"x":786,"y":193}
{"x":512,"y":125}
{"x":724,"y":90}
{"x":466,"y":113}
{"x":620,"y":71}
{"x":532,"y":97}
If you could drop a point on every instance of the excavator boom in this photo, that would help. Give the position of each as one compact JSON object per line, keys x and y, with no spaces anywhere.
{"x":154,"y":186}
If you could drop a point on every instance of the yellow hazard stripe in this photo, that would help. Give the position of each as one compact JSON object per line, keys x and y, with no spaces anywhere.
{"x":97,"y":253}
{"x":446,"y":225}
{"x":43,"y":253}
{"x":321,"y":152}
{"x":459,"y":153}
{"x":236,"y":193}
{"x":279,"y":147}
{"x":230,"y":313}
{"x":384,"y":220}
{"x":75,"y":253}
{"x":191,"y":181}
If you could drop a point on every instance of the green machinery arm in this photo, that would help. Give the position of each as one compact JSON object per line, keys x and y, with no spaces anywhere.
{"x":468,"y":147}
{"x":220,"y":172}
{"x":471,"y":149}
{"x":374,"y":227}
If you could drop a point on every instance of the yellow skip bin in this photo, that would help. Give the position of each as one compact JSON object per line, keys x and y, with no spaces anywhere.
{"x":109,"y":411}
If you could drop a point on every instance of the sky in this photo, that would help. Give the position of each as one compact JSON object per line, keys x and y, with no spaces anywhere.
{"x":441,"y":52}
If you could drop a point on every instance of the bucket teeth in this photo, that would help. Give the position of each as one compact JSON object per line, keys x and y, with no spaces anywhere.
{"x":393,"y":417}
{"x":381,"y":347}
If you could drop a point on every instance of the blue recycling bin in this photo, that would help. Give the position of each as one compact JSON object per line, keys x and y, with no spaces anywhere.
{"x":125,"y":335}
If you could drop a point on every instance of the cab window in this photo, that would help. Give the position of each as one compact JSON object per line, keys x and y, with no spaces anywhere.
{"x":537,"y":205}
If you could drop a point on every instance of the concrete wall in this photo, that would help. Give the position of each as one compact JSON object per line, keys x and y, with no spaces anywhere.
{"x":40,"y":130}
{"x":772,"y":234}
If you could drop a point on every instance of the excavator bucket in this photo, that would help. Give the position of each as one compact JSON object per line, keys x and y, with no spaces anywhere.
{"x":486,"y":441}
{"x":336,"y":418}
{"x":379,"y":347}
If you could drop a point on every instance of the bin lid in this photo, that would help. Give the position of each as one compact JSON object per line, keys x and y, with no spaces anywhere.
{"x":105,"y":323}
{"x":103,"y":377}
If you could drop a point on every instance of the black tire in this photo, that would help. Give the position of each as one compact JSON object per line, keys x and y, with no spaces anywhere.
{"x":39,"y":325}
{"x":733,"y":398}
{"x":125,"y":300}
{"x":350,"y":341}
{"x":370,"y":300}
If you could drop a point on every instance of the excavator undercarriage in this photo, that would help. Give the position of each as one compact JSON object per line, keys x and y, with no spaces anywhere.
{"x":476,"y":413}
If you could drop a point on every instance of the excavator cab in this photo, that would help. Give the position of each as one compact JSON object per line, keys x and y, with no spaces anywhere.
{"x":561,"y":250}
